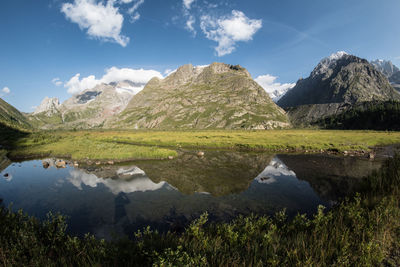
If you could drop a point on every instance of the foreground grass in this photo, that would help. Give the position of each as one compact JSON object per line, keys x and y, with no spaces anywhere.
{"x":362,"y":231}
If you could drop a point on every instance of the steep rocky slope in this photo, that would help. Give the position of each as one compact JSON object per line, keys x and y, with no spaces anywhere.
{"x":340,"y":78}
{"x":337,"y":83}
{"x":215,"y":96}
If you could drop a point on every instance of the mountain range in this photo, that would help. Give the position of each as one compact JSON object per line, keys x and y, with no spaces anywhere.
{"x":218,"y":96}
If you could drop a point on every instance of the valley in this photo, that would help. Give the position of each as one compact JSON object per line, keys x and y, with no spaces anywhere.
{"x":206,"y":150}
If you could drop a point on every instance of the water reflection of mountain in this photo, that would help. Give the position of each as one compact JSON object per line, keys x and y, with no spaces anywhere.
{"x":218,"y":173}
{"x":331,"y":177}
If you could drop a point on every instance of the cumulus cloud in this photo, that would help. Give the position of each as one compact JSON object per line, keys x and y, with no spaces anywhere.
{"x":101,"y":21}
{"x":76,"y":85}
{"x":115,"y":74}
{"x":187,"y":3}
{"x":229,"y":30}
{"x":5,"y":90}
{"x":273,"y":88}
{"x":57,"y":82}
{"x":137,"y":76}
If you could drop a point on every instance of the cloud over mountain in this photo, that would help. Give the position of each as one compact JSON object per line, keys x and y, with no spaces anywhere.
{"x":273,"y":88}
{"x":228,"y":30}
{"x":138,"y":76}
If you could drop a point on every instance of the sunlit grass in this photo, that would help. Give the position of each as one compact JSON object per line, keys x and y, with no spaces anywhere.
{"x":86,"y":147}
{"x":268,"y":140}
{"x":121,"y":145}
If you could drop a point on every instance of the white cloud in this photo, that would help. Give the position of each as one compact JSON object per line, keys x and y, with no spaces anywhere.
{"x":168,"y":72}
{"x":102,"y":21}
{"x":115,"y":74}
{"x":187,"y":3}
{"x":273,"y":88}
{"x":75,"y":85}
{"x":137,"y":76}
{"x":228,"y":30}
{"x":57,"y":82}
{"x":189,"y":24}
{"x":5,"y":90}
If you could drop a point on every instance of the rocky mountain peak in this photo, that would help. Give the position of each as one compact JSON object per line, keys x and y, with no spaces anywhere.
{"x":329,"y":65}
{"x":48,"y":105}
{"x":340,"y":78}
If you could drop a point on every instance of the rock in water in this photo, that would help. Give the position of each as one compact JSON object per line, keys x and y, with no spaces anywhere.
{"x":45,"y":164}
{"x":61,"y":164}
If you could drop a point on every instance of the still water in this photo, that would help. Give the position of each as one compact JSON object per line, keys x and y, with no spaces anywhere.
{"x":114,"y":200}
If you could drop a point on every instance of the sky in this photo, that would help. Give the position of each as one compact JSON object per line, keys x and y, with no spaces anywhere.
{"x":57,"y":48}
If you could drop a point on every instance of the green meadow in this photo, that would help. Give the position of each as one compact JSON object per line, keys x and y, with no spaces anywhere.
{"x":132,"y":145}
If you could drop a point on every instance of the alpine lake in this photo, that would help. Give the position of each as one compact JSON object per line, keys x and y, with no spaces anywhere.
{"x":111,"y":201}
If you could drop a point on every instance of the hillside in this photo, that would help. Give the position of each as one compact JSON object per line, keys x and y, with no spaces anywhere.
{"x":11,"y":117}
{"x":215,"y":96}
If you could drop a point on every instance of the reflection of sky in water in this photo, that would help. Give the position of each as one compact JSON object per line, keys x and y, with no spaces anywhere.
{"x":275,"y":169}
{"x":124,"y":198}
{"x":137,"y":181}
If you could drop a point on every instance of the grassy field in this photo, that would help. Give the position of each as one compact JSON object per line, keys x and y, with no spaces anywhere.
{"x":124,"y":145}
{"x":83,"y":147}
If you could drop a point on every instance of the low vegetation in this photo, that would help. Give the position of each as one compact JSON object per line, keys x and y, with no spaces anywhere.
{"x":361,"y":231}
{"x":129,"y":145}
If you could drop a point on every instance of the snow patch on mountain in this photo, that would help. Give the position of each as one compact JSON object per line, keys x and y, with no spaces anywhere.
{"x":328,"y":63}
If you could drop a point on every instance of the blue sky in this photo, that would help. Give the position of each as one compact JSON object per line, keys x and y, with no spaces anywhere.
{"x":46,"y":39}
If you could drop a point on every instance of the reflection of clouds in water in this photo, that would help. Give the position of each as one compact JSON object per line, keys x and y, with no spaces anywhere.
{"x":131,"y":171}
{"x":275,"y":168}
{"x":116,"y":186}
